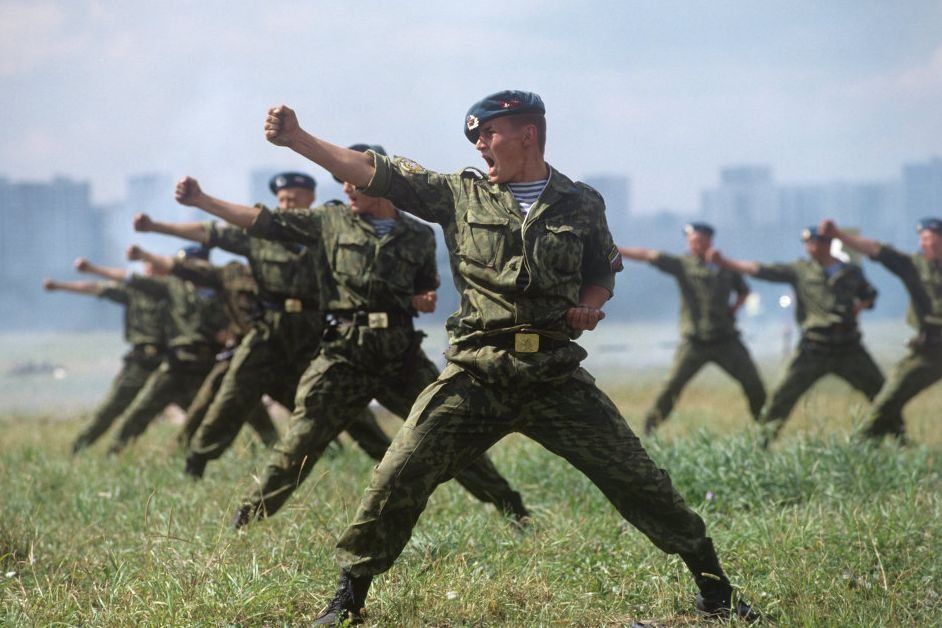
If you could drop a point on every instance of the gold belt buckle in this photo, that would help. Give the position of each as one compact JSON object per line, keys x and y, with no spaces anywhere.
{"x":377,"y":320}
{"x":526,"y":343}
{"x":293,"y":306}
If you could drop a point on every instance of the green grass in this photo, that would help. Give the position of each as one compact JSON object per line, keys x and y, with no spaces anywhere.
{"x":818,"y":531}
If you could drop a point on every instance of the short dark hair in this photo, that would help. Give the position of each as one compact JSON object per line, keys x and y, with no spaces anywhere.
{"x":536,"y":119}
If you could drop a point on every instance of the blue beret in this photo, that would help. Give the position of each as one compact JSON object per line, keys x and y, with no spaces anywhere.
{"x":291,"y":180}
{"x":362,"y":148}
{"x":811,"y":233}
{"x":932,"y":224}
{"x":699,"y":227}
{"x":503,"y":103}
{"x":200,"y":251}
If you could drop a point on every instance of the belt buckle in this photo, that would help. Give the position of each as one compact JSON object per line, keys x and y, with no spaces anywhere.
{"x":526,"y":343}
{"x":377,"y":320}
{"x":293,"y":306}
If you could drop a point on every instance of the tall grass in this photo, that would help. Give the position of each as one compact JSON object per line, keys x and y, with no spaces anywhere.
{"x":820,"y":530}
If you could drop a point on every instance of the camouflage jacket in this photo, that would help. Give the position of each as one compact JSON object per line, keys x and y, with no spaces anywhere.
{"x":282,"y":270}
{"x":826,"y":307}
{"x":705,"y":289}
{"x":233,"y":281}
{"x":923,"y":281}
{"x":369,"y":272}
{"x":196,"y":314}
{"x":146,"y":319}
{"x":512,"y":272}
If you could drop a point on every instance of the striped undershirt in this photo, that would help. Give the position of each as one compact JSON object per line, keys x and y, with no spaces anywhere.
{"x":527,"y":193}
{"x":381,"y":225}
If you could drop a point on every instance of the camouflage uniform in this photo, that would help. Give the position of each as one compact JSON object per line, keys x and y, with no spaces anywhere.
{"x":283,"y":340}
{"x":512,"y":366}
{"x":196,"y":316}
{"x":825,"y":309}
{"x":922,"y":366}
{"x":372,"y":352}
{"x":234,"y":281}
{"x":145,"y":328}
{"x":708,"y":330}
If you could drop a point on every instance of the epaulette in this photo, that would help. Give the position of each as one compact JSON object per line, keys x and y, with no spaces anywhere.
{"x":473,"y":173}
{"x":590,"y":189}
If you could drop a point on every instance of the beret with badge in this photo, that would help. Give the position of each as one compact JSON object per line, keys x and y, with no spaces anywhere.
{"x":505,"y":103}
{"x":291,"y":180}
{"x":932,"y":224}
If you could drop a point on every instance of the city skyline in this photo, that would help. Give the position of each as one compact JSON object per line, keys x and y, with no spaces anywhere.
{"x":666,"y":92}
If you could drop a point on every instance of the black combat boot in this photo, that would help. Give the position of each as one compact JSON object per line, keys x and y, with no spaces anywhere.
{"x":194,"y":467}
{"x":715,"y":598}
{"x":348,"y":600}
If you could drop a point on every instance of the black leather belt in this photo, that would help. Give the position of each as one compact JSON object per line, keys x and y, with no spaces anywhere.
{"x":374,"y":320}
{"x":520,"y":342}
{"x":291,"y":305}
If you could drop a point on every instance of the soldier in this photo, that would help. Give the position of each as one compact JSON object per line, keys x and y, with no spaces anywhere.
{"x":285,"y":334}
{"x":145,"y":329}
{"x":384,"y":272}
{"x":239,"y":292}
{"x":921,"y":273}
{"x":534,"y":262}
{"x":707,"y":322}
{"x":829,"y":295}
{"x":198,"y":324}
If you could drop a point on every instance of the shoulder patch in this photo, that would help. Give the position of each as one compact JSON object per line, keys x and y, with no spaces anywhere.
{"x":409,"y":166}
{"x":472,"y":173}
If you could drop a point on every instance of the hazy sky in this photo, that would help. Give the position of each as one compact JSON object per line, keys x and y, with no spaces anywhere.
{"x":666,"y":92}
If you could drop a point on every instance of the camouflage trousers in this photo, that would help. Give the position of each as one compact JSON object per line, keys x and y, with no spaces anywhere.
{"x":269,"y":360}
{"x":331,"y":394}
{"x":129,"y":381}
{"x":258,"y":416}
{"x":913,"y":374}
{"x":812,"y":361}
{"x":174,"y":381}
{"x":692,"y":355}
{"x":458,"y":418}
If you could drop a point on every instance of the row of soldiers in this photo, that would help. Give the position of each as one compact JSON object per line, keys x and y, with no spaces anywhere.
{"x":534,"y":264}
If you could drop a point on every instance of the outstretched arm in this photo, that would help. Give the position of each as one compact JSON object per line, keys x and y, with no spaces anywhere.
{"x":638,"y":253}
{"x":162,"y":263}
{"x":745,"y":267}
{"x":78,"y":287}
{"x":193,"y":231}
{"x":108,"y":272}
{"x":188,"y":192}
{"x":866,"y":246}
{"x":282,"y":129}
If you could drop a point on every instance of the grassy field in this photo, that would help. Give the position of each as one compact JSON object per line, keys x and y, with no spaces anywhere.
{"x":821,"y":530}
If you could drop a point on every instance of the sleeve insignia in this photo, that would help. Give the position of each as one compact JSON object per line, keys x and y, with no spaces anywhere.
{"x":409,"y":166}
{"x":614,"y":260}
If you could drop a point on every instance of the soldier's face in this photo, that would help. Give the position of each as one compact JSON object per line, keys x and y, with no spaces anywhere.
{"x":361,"y":203}
{"x":931,"y":244}
{"x":818,"y":250}
{"x":295,"y":198}
{"x":501,"y":144}
{"x":699,"y":243}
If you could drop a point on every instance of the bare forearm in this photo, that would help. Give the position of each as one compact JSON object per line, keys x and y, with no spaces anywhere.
{"x":193,"y":231}
{"x":233,"y":213}
{"x":863,"y":245}
{"x":744,"y":267}
{"x":347,"y":165}
{"x":108,"y":272}
{"x":161,"y":263}
{"x":637,"y":253}
{"x":78,"y":287}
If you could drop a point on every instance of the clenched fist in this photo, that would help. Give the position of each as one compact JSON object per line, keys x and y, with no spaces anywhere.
{"x":81,"y":264}
{"x":49,"y":285}
{"x":425,"y":301}
{"x":281,"y":125}
{"x":188,"y":191}
{"x":135,"y":253}
{"x":142,"y":222}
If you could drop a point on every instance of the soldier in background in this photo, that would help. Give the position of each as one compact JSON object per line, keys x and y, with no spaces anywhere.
{"x":707,"y":322}
{"x":237,"y":287}
{"x":198,"y":327}
{"x":286,"y":333}
{"x":921,"y":273}
{"x":383,"y":269}
{"x":533,"y":261}
{"x":145,"y":329}
{"x":829,"y":295}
